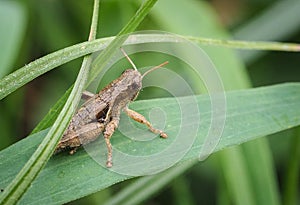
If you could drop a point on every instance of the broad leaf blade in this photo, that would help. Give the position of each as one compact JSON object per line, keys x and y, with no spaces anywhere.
{"x":250,"y":114}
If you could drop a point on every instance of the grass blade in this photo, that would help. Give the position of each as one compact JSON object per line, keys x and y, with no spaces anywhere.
{"x":20,"y":77}
{"x":19,"y":185}
{"x":274,"y":109}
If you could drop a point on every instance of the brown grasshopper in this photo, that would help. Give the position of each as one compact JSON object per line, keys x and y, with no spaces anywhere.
{"x":101,"y":112}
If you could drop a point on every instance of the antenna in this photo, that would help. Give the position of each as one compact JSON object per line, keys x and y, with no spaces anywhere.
{"x":154,"y":68}
{"x":130,"y":61}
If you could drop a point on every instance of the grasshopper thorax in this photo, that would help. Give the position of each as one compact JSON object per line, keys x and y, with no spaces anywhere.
{"x":131,"y":81}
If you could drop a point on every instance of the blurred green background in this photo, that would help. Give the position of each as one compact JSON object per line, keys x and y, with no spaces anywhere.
{"x":31,"y":29}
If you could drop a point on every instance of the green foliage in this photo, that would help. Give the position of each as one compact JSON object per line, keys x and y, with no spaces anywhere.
{"x":244,"y":174}
{"x":72,"y":173}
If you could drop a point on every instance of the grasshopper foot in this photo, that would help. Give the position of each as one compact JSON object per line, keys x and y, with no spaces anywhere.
{"x":73,"y":151}
{"x":108,"y":164}
{"x":162,"y":134}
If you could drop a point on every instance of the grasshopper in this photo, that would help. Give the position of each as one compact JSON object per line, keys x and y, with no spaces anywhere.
{"x":101,"y":112}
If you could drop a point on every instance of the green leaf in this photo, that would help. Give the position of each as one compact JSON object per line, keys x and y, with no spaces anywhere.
{"x":36,"y":162}
{"x":139,"y":190}
{"x":291,"y":181}
{"x":51,"y":116}
{"x":266,"y":24}
{"x":19,"y":185}
{"x":23,"y":75}
{"x":250,"y":114}
{"x":198,"y":19}
{"x":12,"y":26}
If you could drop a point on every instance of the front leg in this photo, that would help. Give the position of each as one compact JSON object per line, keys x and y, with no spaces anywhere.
{"x":141,"y":119}
{"x":109,"y":130}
